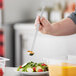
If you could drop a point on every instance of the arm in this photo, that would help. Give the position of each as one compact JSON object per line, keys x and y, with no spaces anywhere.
{"x":64,"y":27}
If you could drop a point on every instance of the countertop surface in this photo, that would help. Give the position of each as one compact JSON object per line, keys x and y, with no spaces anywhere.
{"x":9,"y":71}
{"x":24,"y":26}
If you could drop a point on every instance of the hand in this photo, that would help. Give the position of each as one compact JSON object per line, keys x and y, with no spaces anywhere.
{"x":61,"y":28}
{"x":45,"y":25}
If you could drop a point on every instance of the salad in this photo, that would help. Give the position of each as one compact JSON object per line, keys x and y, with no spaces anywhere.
{"x":33,"y":67}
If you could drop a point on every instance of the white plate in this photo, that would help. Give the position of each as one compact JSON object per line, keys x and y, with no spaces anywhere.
{"x":31,"y":73}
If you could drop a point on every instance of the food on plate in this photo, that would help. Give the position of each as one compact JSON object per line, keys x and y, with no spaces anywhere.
{"x":1,"y":72}
{"x":31,"y":53}
{"x":33,"y":67}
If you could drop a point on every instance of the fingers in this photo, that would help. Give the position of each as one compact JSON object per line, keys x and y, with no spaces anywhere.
{"x":37,"y":21}
{"x":40,"y":28}
{"x":44,"y":22}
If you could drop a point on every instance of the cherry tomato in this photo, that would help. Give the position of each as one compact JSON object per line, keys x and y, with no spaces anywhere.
{"x":40,"y":70}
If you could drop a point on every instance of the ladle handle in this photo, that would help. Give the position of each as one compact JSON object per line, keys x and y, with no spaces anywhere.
{"x":37,"y":29}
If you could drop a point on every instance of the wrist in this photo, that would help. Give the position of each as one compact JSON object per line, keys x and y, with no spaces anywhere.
{"x":53,"y":30}
{"x":50,"y":30}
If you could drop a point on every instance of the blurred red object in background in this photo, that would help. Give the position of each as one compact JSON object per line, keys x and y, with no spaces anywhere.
{"x":1,"y":30}
{"x":1,"y":4}
{"x":1,"y":43}
{"x":71,"y":7}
